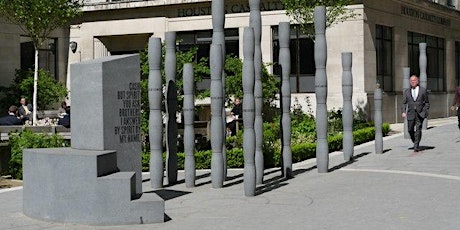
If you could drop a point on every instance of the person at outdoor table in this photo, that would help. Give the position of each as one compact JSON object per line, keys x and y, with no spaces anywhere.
{"x":25,"y":110}
{"x":235,"y":114}
{"x":11,"y":118}
{"x":65,"y":120}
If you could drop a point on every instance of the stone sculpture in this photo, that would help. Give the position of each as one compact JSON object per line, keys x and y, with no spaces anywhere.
{"x":347,"y":114}
{"x":189,"y":131}
{"x":423,"y":77}
{"x":322,"y":148}
{"x":98,"y":181}
{"x":248,"y":112}
{"x":155,"y":94}
{"x":171,"y":107}
{"x":406,"y":85}
{"x":218,"y":38}
{"x":255,"y":21}
{"x":378,"y":120}
{"x":217,"y":136}
{"x":285,"y":62}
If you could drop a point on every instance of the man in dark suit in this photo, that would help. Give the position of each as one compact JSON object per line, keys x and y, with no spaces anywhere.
{"x":11,"y":118}
{"x":25,"y":110}
{"x":415,"y":106}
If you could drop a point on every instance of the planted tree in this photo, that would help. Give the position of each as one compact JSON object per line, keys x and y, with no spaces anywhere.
{"x":301,"y":12}
{"x":38,"y":18}
{"x":22,"y":86}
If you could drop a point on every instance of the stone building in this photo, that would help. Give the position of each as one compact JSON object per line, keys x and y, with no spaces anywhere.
{"x":383,"y":38}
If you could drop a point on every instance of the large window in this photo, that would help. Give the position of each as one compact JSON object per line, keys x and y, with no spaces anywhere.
{"x":202,"y":39}
{"x":384,"y":51}
{"x":435,"y":69}
{"x":457,"y":62}
{"x":302,"y":78}
{"x":47,"y":57}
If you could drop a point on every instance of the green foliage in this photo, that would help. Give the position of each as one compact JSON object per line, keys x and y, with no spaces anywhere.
{"x":51,"y":91}
{"x":234,"y":81}
{"x":39,"y":17}
{"x":25,"y":140}
{"x":200,"y":69}
{"x":271,"y":148}
{"x":301,"y":12}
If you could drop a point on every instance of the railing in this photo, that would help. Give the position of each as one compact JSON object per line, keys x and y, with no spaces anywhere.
{"x":52,"y":129}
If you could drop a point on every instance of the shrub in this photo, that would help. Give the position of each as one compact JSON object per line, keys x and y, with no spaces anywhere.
{"x":49,"y":90}
{"x":26,"y":139}
{"x":272,"y":156}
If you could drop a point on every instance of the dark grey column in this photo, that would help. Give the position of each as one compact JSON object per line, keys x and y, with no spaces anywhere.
{"x":171,"y":107}
{"x":347,"y":114}
{"x":406,"y":85}
{"x":378,"y":120}
{"x":255,"y":21}
{"x":189,"y":119}
{"x":423,"y":78}
{"x":248,"y":112}
{"x":322,"y":148}
{"x":218,"y":38}
{"x":155,"y":118}
{"x":285,"y":62}
{"x":217,"y":136}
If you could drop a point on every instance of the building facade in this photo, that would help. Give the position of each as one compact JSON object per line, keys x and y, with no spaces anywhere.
{"x":17,"y":52}
{"x":383,"y":38}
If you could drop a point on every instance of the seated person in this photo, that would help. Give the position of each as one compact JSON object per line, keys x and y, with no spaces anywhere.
{"x":11,"y":118}
{"x":236,"y":113}
{"x":25,"y":110}
{"x":63,"y":109}
{"x":65,"y":120}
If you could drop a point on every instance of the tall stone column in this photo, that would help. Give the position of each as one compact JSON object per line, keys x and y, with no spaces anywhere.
{"x":218,"y":38}
{"x":249,"y":113}
{"x":217,"y":136}
{"x":155,"y":117}
{"x":347,"y":114}
{"x":322,"y":148}
{"x":171,"y":107}
{"x":378,"y":121}
{"x":189,"y":130}
{"x":285,"y":62}
{"x":255,"y":21}
{"x":423,"y":77}
{"x":406,"y":85}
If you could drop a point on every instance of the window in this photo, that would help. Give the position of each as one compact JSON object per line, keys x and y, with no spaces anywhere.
{"x":384,"y":51}
{"x":457,"y":62}
{"x":435,"y":69}
{"x":47,"y":57}
{"x":302,"y":78}
{"x":202,"y":40}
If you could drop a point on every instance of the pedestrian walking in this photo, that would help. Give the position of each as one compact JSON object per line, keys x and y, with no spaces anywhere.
{"x":415,"y":106}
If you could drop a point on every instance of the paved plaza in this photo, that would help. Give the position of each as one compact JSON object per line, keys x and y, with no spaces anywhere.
{"x":398,"y":189}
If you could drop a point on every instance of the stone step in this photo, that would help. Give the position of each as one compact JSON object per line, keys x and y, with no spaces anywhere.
{"x":150,"y":208}
{"x":118,"y":187}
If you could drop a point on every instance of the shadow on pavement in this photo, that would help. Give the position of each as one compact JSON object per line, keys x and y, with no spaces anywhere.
{"x":167,"y":194}
{"x":354,"y":159}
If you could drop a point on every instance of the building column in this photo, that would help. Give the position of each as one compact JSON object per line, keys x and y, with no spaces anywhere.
{"x":401,"y":56}
{"x":450,"y":65}
{"x":267,"y":45}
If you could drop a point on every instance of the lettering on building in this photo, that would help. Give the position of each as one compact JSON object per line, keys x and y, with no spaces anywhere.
{"x":411,"y":12}
{"x":229,"y":9}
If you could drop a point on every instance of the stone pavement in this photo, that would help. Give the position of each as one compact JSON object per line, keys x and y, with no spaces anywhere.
{"x":398,"y":189}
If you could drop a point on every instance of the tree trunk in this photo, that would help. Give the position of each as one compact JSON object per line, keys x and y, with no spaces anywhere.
{"x":34,"y":103}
